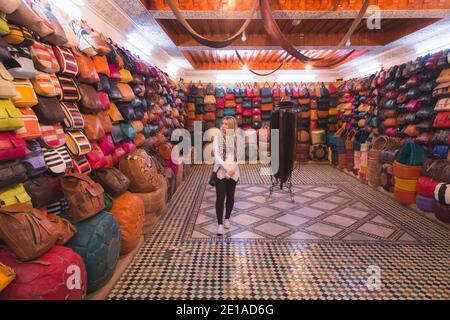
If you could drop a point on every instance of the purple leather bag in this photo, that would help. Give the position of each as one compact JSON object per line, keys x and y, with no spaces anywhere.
{"x":424,"y":203}
{"x":34,"y":162}
{"x":442,"y":212}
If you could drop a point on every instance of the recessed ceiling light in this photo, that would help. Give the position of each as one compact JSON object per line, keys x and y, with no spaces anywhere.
{"x":296,"y":22}
{"x":348,"y":43}
{"x":245,"y":67}
{"x":308,"y":66}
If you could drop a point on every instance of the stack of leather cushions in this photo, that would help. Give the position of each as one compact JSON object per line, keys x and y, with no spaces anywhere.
{"x":433,"y":192}
{"x":301,"y":95}
{"x":72,"y":106}
{"x":387,"y":157}
{"x":266,"y":101}
{"x":406,"y":171}
{"x":200,"y":104}
{"x":323,"y":106}
{"x":349,"y":152}
{"x":244,"y":109}
{"x":230,"y":103}
{"x":441,"y":123}
{"x":332,"y":111}
{"x":210,"y":107}
{"x":220,"y":104}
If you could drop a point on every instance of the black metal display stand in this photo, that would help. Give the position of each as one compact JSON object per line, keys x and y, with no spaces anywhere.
{"x":275,"y":181}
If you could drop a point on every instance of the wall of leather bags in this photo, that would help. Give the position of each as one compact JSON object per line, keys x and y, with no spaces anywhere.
{"x":75,"y":110}
{"x":397,"y":121}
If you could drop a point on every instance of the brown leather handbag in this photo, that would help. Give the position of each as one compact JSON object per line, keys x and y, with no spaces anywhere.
{"x":141,"y":169}
{"x":105,"y":121}
{"x":86,"y":68}
{"x":93,"y":128}
{"x":63,"y":227}
{"x":112,"y":180}
{"x":83,"y":195}
{"x":90,"y":102}
{"x":26,"y":231}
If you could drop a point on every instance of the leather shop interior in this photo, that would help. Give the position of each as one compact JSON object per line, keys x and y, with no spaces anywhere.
{"x":351,"y":100}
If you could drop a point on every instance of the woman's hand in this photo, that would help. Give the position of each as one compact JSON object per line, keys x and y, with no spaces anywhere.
{"x":231,"y":172}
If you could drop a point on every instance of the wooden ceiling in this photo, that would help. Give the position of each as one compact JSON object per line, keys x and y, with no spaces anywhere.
{"x":256,"y":59}
{"x":320,"y":32}
{"x":305,"y":5}
{"x":310,"y":32}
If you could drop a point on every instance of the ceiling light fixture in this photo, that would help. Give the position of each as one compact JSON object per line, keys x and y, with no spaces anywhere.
{"x":244,"y":37}
{"x":308,"y":66}
{"x":245,"y":67}
{"x":348,"y":43}
{"x":296,"y":22}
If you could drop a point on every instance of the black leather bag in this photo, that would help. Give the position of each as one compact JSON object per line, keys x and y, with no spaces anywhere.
{"x":12,"y":173}
{"x":127,"y":111}
{"x":112,"y":180}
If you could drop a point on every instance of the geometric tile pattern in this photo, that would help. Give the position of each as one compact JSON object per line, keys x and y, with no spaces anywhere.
{"x":337,"y":215}
{"x":300,"y":252}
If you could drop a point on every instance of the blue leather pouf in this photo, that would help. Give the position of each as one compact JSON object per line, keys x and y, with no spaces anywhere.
{"x":98,"y":242}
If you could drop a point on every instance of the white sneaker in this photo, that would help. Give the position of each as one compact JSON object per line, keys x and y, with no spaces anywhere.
{"x":220,"y":229}
{"x":227,"y":224}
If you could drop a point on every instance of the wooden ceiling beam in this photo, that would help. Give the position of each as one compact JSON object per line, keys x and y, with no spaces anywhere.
{"x":319,"y":39}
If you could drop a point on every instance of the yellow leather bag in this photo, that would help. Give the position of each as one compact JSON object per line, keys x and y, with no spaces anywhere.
{"x":7,"y":275}
{"x":126,"y":92}
{"x":114,"y":113}
{"x":125,"y":76}
{"x":43,"y":85}
{"x":26,"y":97}
{"x":13,"y":195}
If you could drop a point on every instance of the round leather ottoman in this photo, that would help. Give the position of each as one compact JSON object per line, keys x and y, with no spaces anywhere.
{"x":36,"y":281}
{"x":405,"y":197}
{"x":98,"y":242}
{"x":424,"y":203}
{"x":155,"y":202}
{"x":129,"y":212}
{"x":442,"y":212}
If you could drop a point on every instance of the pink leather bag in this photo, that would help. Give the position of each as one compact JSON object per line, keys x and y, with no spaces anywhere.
{"x":96,"y":158}
{"x":106,"y":144}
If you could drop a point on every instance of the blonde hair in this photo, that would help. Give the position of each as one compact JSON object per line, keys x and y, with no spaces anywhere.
{"x":232,"y":125}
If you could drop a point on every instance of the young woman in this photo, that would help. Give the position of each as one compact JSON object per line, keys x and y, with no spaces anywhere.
{"x":227,"y":169}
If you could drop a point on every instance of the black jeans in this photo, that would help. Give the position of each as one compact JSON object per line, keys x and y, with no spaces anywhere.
{"x":224,"y":188}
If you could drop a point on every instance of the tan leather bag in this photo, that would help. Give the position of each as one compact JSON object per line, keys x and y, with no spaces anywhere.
{"x":26,"y":231}
{"x":86,"y":68}
{"x":141,"y":169}
{"x":105,"y":121}
{"x":83,"y":195}
{"x":93,"y":128}
{"x":63,"y":227}
{"x":126,"y":92}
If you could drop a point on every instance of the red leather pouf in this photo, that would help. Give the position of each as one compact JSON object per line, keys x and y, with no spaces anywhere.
{"x":36,"y":281}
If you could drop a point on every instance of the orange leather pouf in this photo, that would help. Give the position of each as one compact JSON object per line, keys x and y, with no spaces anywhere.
{"x":155,"y":202}
{"x":128,"y":209}
{"x":405,"y":197}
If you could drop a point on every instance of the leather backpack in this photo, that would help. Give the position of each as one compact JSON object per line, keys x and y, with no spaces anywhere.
{"x":84,"y":196}
{"x":141,"y":169}
{"x":12,"y":173}
{"x":26,"y":231}
{"x":113,"y":181}
{"x":49,"y":111}
{"x":63,"y":227}
{"x":43,"y":190}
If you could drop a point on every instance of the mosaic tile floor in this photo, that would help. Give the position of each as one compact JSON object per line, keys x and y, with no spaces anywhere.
{"x":323,"y":246}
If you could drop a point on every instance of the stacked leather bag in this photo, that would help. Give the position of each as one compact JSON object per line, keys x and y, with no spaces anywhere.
{"x":72,"y":104}
{"x":220,"y":104}
{"x":406,"y":170}
{"x":387,"y":157}
{"x":210,"y":107}
{"x":303,"y":121}
{"x":318,"y":149}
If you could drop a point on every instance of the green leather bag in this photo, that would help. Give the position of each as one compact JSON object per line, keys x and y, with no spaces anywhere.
{"x":412,"y":154}
{"x":128,"y":130}
{"x":10,"y":116}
